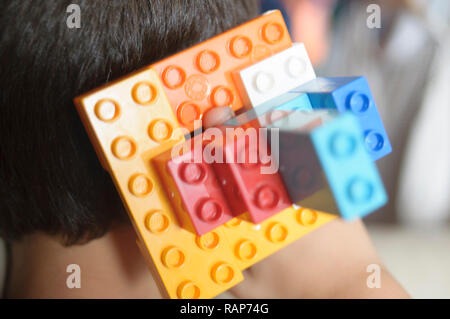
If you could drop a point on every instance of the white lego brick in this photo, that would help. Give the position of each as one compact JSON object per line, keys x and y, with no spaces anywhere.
{"x":276,"y":75}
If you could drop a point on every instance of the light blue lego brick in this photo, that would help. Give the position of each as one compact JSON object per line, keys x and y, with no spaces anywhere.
{"x":351,"y":94}
{"x":351,"y":174}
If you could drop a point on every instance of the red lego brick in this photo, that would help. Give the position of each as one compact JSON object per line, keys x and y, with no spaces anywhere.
{"x":262,"y":195}
{"x":204,"y":206}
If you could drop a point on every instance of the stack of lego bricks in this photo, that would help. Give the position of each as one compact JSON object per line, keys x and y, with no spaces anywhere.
{"x":206,"y":209}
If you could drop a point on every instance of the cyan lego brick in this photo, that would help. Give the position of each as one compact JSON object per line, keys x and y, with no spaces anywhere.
{"x":351,"y":175}
{"x":325,"y":165}
{"x":351,"y":94}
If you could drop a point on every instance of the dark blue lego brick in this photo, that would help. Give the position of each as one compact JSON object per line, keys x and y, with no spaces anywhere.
{"x":351,"y":94}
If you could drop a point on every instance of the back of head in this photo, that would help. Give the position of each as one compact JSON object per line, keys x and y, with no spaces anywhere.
{"x":50,"y":178}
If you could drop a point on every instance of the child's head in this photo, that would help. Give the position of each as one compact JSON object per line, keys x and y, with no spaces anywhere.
{"x":50,"y":177}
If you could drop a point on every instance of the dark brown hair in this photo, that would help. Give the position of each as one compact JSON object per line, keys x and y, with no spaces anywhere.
{"x":50,"y":178}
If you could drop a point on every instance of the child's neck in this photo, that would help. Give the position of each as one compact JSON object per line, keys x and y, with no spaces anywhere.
{"x":111,"y":267}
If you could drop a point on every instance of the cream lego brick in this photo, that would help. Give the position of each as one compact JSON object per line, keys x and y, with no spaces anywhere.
{"x":275,"y":75}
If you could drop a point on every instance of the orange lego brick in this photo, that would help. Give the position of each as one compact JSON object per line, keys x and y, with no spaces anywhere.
{"x":201,"y":77}
{"x":130,"y":121}
{"x":250,"y":243}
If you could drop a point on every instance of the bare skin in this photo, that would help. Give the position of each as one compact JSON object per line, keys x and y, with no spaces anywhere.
{"x":330,"y":262}
{"x":111,"y":267}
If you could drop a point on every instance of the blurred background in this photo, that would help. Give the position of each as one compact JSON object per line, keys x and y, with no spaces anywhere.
{"x":405,"y":58}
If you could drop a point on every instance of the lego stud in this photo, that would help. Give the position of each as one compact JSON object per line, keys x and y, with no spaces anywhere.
{"x":342,"y":145}
{"x":197,"y":87}
{"x":209,"y":210}
{"x":360,"y":190}
{"x":192,"y":173}
{"x":260,"y":52}
{"x":144,"y":93}
{"x":263,"y":82}
{"x":173,"y":76}
{"x":222,"y":273}
{"x":188,"y":290}
{"x":208,"y":241}
{"x":277,"y":233}
{"x":160,"y":130}
{"x":233,"y":223}
{"x":306,"y":217}
{"x":358,"y":102}
{"x":295,"y":67}
{"x":173,"y":257}
{"x":222,"y":96}
{"x":208,"y":61}
{"x":140,"y":185}
{"x":188,"y":112}
{"x":157,"y":222}
{"x":240,"y":46}
{"x":123,"y":147}
{"x":374,"y":141}
{"x":107,"y":110}
{"x":246,"y":250}
{"x":266,"y":197}
{"x":272,"y":32}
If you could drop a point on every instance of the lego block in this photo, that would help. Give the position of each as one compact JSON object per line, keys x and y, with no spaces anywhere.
{"x":130,"y":121}
{"x":251,"y":243}
{"x":275,"y":75}
{"x":290,"y":112}
{"x":200,"y":77}
{"x":351,"y":94}
{"x":331,"y":158}
{"x":247,"y":173}
{"x":132,"y":124}
{"x":351,"y":176}
{"x":299,"y":167}
{"x":195,"y":192}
